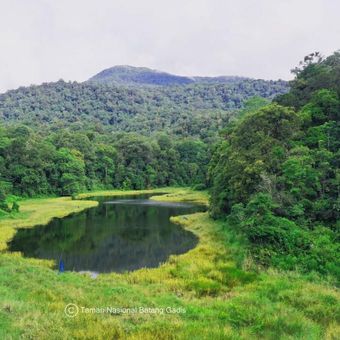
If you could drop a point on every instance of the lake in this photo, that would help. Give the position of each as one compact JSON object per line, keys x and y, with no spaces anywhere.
{"x":120,"y":234}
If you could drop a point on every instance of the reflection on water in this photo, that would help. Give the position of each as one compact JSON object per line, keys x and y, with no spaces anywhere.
{"x":118,"y":235}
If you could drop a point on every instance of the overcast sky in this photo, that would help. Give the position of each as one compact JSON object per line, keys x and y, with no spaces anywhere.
{"x":46,"y":40}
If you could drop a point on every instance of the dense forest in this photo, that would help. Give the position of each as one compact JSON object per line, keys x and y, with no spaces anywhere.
{"x":275,"y":173}
{"x":198,"y":110}
{"x":65,"y":163}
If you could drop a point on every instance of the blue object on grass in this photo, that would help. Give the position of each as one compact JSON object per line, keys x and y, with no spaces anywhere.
{"x":61,"y":266}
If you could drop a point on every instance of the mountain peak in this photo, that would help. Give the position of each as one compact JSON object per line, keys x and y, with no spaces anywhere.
{"x":132,"y":75}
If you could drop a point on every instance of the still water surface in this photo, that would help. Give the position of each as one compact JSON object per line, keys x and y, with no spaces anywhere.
{"x":121,"y":234}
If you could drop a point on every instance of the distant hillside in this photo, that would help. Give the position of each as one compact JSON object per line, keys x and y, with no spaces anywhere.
{"x":189,"y":110}
{"x":130,"y":75}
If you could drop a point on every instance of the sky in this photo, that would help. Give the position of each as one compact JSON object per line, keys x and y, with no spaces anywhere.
{"x":48,"y":40}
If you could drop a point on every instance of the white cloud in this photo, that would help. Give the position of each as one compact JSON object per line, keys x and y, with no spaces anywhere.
{"x":45,"y":40}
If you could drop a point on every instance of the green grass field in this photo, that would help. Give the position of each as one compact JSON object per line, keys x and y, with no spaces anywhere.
{"x":212,"y":292}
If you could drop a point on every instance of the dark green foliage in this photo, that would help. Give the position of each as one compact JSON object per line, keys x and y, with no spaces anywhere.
{"x":270,"y":234}
{"x":70,"y":169}
{"x":3,"y":203}
{"x":251,"y":105}
{"x":15,"y":207}
{"x":66,"y":163}
{"x":199,"y":187}
{"x":276,"y":173}
{"x":314,"y":73}
{"x":254,"y":148}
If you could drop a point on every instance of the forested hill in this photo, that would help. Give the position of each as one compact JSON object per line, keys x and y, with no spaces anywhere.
{"x":139,"y":76}
{"x":185,"y":110}
{"x":129,"y":75}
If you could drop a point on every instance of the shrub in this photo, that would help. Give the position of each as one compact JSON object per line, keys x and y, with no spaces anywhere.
{"x":15,"y":207}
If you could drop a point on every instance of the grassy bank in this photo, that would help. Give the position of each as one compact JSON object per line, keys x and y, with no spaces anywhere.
{"x":114,"y":193}
{"x":170,"y":194}
{"x":184,"y":195}
{"x":213,"y":283}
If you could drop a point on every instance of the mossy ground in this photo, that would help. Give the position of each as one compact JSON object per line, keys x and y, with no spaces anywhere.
{"x":222,"y":294}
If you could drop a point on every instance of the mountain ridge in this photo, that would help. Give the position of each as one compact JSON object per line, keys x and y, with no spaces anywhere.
{"x":140,"y":76}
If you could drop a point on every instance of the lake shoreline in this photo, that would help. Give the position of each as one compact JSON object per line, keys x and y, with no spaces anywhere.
{"x":40,"y":211}
{"x":122,"y":233}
